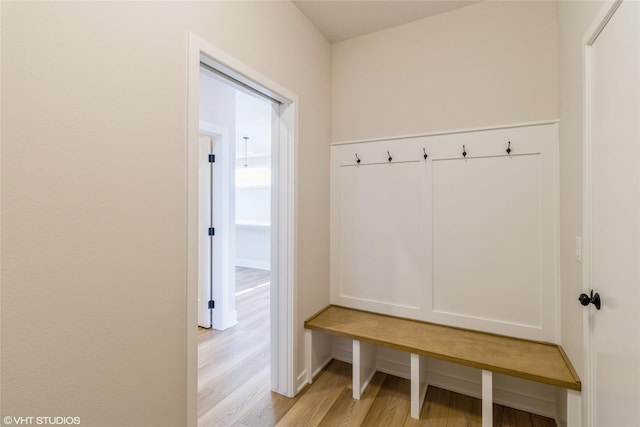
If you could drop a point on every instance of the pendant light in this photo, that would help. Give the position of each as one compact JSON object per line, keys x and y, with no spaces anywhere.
{"x":245,"y":150}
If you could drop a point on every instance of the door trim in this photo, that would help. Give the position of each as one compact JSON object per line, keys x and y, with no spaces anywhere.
{"x":284,"y":211}
{"x":598,"y":24}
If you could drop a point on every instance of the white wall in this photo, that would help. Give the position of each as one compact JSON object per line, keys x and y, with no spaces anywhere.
{"x":253,"y":182}
{"x":253,"y":244}
{"x":491,"y":63}
{"x":253,"y":227}
{"x":253,"y":205}
{"x":94,"y":195}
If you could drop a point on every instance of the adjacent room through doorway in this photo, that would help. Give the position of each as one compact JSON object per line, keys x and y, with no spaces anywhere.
{"x":235,"y":261}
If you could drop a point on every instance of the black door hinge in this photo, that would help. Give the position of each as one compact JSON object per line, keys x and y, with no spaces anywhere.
{"x":212,"y":304}
{"x":212,"y":231}
{"x":212,"y":158}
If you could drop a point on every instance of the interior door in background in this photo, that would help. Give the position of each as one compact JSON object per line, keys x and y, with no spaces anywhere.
{"x":205,"y":214}
{"x":613,"y":177}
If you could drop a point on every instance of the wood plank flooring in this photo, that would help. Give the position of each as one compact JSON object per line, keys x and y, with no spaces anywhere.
{"x":387,"y":402}
{"x":234,"y":390}
{"x":250,"y":278}
{"x":233,"y":365}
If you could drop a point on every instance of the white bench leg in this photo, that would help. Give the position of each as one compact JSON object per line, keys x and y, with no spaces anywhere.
{"x":418,"y":383}
{"x":574,"y":408}
{"x":308,"y":352}
{"x":364,"y":366}
{"x":487,"y":398}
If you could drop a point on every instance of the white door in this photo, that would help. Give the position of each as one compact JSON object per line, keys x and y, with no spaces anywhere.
{"x":205,"y":221}
{"x":613,"y":188}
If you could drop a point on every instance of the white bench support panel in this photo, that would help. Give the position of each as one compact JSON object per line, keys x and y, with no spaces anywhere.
{"x":574,"y":409}
{"x":308,"y":347}
{"x":418,"y":383}
{"x":487,"y":398}
{"x":364,"y":366}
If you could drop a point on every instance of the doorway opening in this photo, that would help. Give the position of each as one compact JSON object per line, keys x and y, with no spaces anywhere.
{"x":236,"y":132}
{"x":235,"y":262}
{"x":283,"y":104}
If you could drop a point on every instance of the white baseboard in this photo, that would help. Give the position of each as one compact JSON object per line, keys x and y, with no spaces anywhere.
{"x":457,"y":383}
{"x":259,"y":264}
{"x":342,"y":349}
{"x":227,"y":321}
{"x":393,"y":367}
{"x":521,"y":399}
{"x":301,"y":381}
{"x":321,"y":367}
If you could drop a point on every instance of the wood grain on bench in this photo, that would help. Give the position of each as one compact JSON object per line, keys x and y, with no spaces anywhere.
{"x":531,"y":360}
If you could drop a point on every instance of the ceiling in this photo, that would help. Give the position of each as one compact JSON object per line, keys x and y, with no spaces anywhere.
{"x":340,"y":20}
{"x":337,"y":20}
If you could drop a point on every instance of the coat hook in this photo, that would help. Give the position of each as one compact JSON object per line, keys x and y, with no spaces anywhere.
{"x":425,"y":153}
{"x":389,"y":154}
{"x":357,"y":159}
{"x":464,"y":151}
{"x":509,"y":148}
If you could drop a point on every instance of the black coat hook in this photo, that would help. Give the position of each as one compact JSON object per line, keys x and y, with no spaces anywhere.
{"x":509,"y":148}
{"x":389,"y":154}
{"x":425,"y":153}
{"x":464,"y":151}
{"x":357,"y":159}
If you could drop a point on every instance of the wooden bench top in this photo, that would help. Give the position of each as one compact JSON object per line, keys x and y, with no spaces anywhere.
{"x":531,"y":360}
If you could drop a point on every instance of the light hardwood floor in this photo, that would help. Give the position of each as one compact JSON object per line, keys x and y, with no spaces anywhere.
{"x":233,"y":384}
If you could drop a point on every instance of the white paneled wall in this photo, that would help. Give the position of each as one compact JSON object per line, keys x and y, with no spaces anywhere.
{"x":382,"y":239}
{"x":467,"y":241}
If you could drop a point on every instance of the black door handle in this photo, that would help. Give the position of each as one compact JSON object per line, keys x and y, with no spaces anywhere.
{"x":593,"y":299}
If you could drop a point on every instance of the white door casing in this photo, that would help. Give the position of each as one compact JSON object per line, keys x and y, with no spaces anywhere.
{"x":283,"y":317}
{"x":612,"y":216}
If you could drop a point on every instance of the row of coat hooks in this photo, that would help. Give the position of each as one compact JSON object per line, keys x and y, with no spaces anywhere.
{"x":425,"y":155}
